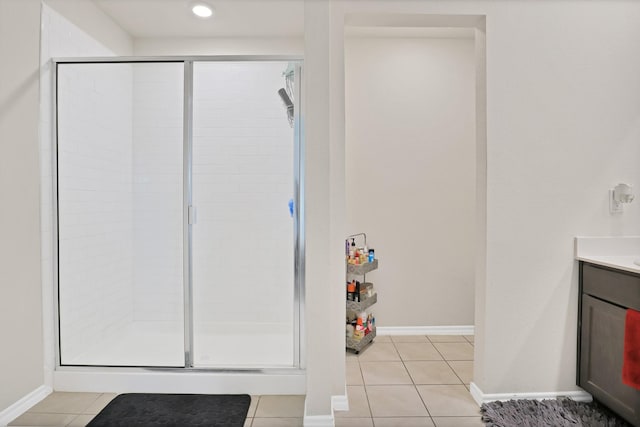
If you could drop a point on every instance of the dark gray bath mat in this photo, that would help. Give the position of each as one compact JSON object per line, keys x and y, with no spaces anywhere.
{"x":174,"y":410}
{"x":552,"y":412}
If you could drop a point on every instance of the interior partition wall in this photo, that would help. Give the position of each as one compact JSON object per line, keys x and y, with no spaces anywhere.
{"x":180,"y":239}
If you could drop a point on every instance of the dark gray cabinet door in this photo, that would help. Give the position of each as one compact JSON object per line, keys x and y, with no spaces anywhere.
{"x":601,"y":350}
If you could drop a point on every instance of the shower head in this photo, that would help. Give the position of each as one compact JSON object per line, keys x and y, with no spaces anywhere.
{"x":288,"y":103}
{"x":285,"y":98}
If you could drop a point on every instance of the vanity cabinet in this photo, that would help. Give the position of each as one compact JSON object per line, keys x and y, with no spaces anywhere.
{"x":605,"y":295}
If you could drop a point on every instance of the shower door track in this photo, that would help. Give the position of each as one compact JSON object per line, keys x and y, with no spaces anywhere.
{"x":178,"y":369}
{"x":299,"y":233}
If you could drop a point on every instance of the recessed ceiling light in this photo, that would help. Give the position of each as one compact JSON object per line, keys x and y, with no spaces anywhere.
{"x":202,"y":10}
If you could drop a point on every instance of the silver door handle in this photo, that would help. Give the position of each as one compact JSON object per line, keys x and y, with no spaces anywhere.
{"x":192,"y":215}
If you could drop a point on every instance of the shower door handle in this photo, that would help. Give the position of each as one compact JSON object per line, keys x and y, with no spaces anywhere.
{"x":192,"y":215}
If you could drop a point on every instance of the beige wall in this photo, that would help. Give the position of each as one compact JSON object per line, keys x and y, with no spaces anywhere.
{"x":87,"y":17}
{"x":21,"y":358}
{"x":411,"y":165}
{"x":563,"y":124}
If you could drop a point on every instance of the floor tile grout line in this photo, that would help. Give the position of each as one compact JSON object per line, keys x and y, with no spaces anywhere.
{"x":455,"y":373}
{"x":364,"y":386}
{"x":75,"y":418}
{"x":452,"y":360}
{"x":443,"y":360}
{"x":95,"y":400}
{"x":449,"y":365}
{"x":82,"y":412}
{"x":406,"y":370}
{"x":254,"y":412}
{"x":414,"y":384}
{"x":465,"y":340}
{"x":411,"y":383}
{"x":411,"y":377}
{"x":418,"y":416}
{"x":362,"y":378}
{"x":410,"y":342}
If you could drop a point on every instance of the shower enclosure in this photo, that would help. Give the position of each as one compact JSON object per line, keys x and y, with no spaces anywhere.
{"x":179,"y":219}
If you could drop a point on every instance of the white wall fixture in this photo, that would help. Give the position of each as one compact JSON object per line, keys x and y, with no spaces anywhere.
{"x":621,"y":193}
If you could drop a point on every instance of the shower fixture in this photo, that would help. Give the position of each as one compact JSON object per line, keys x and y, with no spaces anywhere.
{"x":288,"y":103}
{"x":286,"y":93}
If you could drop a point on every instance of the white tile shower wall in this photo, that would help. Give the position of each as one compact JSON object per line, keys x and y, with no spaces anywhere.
{"x":61,"y":38}
{"x":157,"y":186}
{"x":243,"y":180}
{"x":95,"y":203}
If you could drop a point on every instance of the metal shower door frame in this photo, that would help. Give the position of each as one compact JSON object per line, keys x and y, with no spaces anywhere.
{"x":299,"y":213}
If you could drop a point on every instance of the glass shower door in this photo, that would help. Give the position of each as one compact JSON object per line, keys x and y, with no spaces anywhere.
{"x":120,"y":214}
{"x":243,"y":231}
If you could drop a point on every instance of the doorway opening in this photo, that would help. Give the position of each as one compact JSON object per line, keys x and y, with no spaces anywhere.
{"x":415,"y":90}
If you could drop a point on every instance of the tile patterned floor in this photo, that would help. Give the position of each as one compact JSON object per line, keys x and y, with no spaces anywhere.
{"x":411,"y":381}
{"x":399,"y":381}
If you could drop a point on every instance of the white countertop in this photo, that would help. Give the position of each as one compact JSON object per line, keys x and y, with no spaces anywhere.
{"x":614,"y":252}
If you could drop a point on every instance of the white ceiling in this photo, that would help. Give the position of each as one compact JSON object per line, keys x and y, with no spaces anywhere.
{"x":245,"y":18}
{"x":233,"y":18}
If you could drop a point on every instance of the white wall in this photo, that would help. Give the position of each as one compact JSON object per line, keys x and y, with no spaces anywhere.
{"x":410,"y":161}
{"x":562,"y":128}
{"x":62,"y":38}
{"x":21,"y":361}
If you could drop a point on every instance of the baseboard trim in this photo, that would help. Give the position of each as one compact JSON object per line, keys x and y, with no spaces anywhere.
{"x":480,"y":397}
{"x":22,"y":405}
{"x":476,"y":393}
{"x":425,"y":330}
{"x":318,"y":421}
{"x":340,"y":403}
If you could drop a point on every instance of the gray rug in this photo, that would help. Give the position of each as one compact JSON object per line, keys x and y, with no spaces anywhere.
{"x":552,"y":412}
{"x":174,"y":410}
